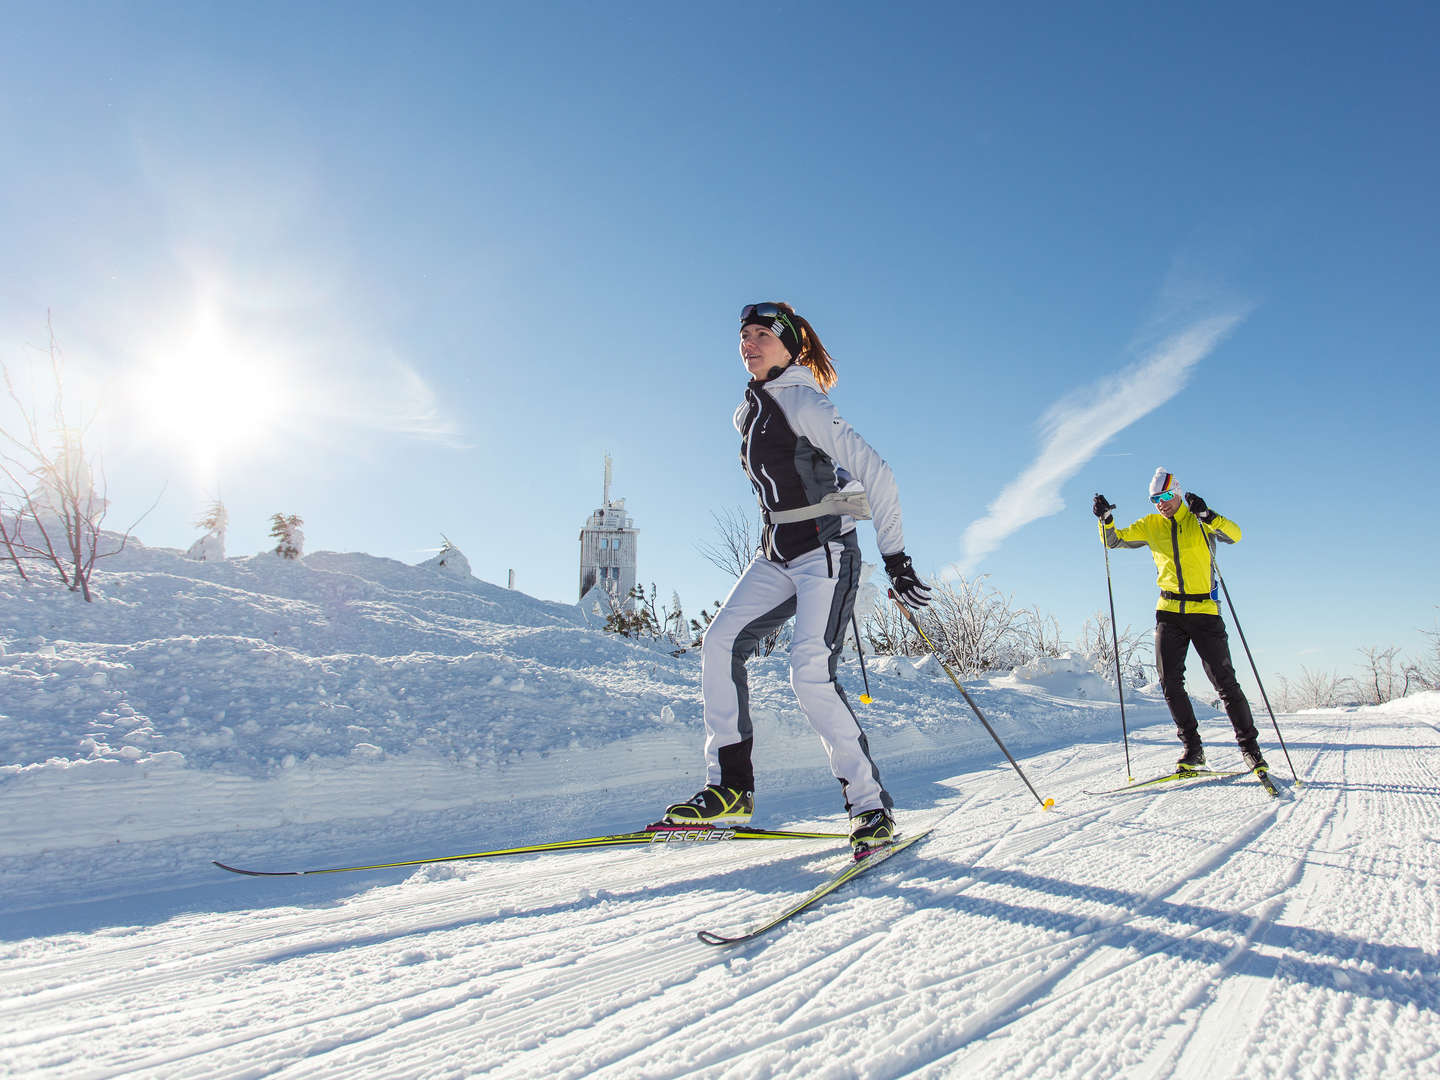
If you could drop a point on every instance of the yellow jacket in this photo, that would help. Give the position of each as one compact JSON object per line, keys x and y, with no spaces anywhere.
{"x":1180,"y":547}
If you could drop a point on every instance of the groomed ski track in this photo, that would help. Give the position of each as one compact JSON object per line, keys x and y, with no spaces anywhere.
{"x":1208,"y":931}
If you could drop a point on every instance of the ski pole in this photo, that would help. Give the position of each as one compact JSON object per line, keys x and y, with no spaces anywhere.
{"x":865,"y":698}
{"x":1045,"y":804}
{"x":1119,"y":680}
{"x":1215,"y":567}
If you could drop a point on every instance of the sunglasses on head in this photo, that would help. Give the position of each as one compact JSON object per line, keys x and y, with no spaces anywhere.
{"x":1163,"y":497}
{"x":768,"y":311}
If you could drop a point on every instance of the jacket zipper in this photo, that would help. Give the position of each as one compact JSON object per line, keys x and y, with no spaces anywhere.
{"x":1175,"y":547}
{"x":772,"y":551}
{"x":750,"y":435}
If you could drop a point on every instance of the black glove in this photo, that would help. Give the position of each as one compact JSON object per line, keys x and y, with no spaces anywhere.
{"x":1101,"y":508}
{"x":912,"y":591}
{"x":1198,"y":508}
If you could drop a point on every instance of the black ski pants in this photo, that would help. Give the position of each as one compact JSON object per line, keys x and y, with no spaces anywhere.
{"x":1174,"y":634}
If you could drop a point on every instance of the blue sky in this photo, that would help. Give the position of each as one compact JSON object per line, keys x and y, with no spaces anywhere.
{"x":423,"y":269}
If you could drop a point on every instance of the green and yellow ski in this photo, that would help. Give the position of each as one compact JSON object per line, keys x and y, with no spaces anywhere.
{"x":1168,"y":778}
{"x":659,"y":833}
{"x":856,"y":867}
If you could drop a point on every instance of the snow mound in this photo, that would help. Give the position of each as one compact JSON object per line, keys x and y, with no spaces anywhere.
{"x":1066,"y":675}
{"x":209,"y":548}
{"x":928,"y":666}
{"x":1426,"y":704}
{"x":896,"y":667}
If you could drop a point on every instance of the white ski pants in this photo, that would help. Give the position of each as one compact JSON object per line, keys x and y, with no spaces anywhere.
{"x":818,"y":589}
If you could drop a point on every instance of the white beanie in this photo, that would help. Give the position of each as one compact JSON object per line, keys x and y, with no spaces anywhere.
{"x":1164,"y":480}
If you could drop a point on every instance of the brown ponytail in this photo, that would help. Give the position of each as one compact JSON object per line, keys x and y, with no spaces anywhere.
{"x":812,"y":351}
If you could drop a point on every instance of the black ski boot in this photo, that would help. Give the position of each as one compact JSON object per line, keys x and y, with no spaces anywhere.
{"x":870,"y":830}
{"x":1254,"y":760}
{"x":1193,"y":758}
{"x":713,"y":806}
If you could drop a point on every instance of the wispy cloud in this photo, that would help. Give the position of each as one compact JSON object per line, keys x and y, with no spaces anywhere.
{"x":377,"y":390}
{"x":1075,"y":428}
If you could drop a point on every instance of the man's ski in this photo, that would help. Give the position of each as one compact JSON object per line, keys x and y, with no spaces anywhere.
{"x":853,"y":870}
{"x":1183,"y":774}
{"x":659,"y":833}
{"x":1263,"y":776}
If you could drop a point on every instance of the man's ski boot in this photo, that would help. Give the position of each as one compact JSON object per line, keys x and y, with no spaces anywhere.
{"x":715,"y":805}
{"x":1193,"y":758}
{"x":870,"y":830}
{"x":1254,"y":760}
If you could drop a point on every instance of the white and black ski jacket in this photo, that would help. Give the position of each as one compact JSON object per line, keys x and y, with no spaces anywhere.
{"x":796,"y":449}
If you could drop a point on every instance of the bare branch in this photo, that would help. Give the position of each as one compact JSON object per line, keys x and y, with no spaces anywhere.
{"x":739,"y":535}
{"x":57,"y":502}
{"x":1098,"y":640}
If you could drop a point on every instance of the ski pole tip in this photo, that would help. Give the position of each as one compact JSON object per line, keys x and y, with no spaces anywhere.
{"x":1048,"y":804}
{"x":866,"y":699}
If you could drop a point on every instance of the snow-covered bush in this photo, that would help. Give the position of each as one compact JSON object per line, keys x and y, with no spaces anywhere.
{"x":973,"y":626}
{"x":645,"y":619}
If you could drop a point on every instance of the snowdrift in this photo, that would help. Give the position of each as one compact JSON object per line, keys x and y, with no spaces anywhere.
{"x":227,"y":698}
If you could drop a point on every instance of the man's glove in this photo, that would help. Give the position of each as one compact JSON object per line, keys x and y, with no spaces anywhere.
{"x":1198,"y":508}
{"x":1101,"y":508}
{"x":912,"y":591}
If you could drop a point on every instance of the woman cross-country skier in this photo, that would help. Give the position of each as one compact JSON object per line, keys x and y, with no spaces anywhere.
{"x":815,"y":476}
{"x":1180,"y":538}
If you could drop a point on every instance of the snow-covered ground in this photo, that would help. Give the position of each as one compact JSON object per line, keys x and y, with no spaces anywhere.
{"x":349,"y":709}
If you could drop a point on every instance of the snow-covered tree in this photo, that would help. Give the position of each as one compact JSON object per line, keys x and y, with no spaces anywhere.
{"x":1424,"y":672}
{"x":211,"y":546}
{"x":450,"y":559}
{"x":289,"y":540}
{"x":1097,"y":641}
{"x":675,"y":624}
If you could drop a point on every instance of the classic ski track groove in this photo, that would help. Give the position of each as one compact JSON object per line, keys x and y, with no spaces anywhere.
{"x":1203,"y":1022}
{"x":851,"y":952}
{"x":973,"y":1059}
{"x":1070,"y":956}
{"x":594,"y":950}
{"x":1091,"y":941}
{"x":694,"y":950}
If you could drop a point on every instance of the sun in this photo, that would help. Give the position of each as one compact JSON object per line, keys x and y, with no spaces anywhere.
{"x":210,"y":398}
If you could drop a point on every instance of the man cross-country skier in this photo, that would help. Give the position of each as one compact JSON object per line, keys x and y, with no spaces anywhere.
{"x":1179,"y":537}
